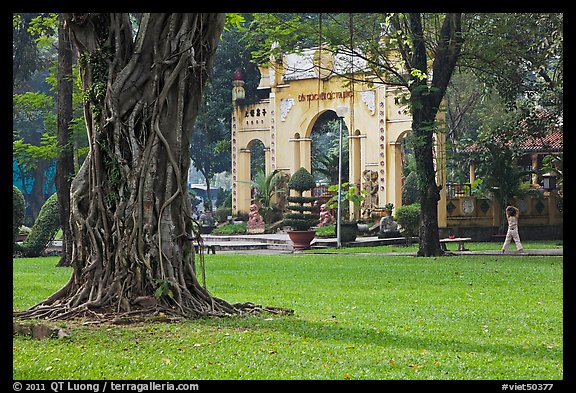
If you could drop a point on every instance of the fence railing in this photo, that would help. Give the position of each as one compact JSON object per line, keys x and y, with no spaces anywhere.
{"x":454,"y":190}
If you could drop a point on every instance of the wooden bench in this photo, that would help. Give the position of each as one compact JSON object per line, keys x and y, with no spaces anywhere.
{"x":207,"y":247}
{"x":459,"y":240}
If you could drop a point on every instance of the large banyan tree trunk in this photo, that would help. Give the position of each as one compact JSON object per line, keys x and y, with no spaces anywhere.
{"x":131,"y":219}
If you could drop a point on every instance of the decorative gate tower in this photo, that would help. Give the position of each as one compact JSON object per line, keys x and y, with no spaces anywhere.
{"x":300,"y":88}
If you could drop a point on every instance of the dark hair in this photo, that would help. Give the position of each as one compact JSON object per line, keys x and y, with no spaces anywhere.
{"x":511,"y":211}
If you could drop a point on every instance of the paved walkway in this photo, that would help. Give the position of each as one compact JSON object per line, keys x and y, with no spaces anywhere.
{"x":283,"y":245}
{"x":280,"y":243}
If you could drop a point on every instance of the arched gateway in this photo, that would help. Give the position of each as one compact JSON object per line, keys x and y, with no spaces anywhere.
{"x":299,"y":91}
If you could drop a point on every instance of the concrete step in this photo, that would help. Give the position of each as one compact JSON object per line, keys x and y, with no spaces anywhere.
{"x":267,"y":239}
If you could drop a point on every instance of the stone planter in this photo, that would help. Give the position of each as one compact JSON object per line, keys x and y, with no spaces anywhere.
{"x":301,"y":239}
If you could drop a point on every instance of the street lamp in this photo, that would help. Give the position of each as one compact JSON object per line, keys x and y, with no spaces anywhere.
{"x":549,"y":181}
{"x":341,"y":111}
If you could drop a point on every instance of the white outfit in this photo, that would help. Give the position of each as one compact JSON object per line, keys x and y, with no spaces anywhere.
{"x":512,"y":234}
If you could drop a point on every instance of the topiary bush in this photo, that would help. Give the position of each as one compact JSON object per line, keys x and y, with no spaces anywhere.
{"x":43,"y":230}
{"x":304,"y":216}
{"x":408,"y":218}
{"x":18,"y":212}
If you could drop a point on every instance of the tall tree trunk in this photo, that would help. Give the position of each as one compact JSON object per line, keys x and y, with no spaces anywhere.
{"x":65,"y":159}
{"x":208,"y":193}
{"x":37,"y":197}
{"x":425,"y":99}
{"x":130,"y":212}
{"x":423,"y":129}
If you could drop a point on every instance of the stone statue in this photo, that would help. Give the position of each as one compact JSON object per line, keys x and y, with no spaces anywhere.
{"x":370,"y":185}
{"x":255,"y":222}
{"x":206,"y":222}
{"x":325,"y":216}
{"x":388,"y":227}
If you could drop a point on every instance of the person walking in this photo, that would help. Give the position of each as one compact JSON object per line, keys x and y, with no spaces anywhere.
{"x":512,"y":214}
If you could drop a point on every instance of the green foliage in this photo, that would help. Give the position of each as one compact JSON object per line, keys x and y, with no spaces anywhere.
{"x":266,"y":187}
{"x":499,"y":171}
{"x":325,"y":149}
{"x":348,"y":193}
{"x":163,"y":288}
{"x":300,"y":224}
{"x":233,"y":20}
{"x":211,"y":141}
{"x":326,"y":231}
{"x":554,"y":164}
{"x":301,"y":180}
{"x":114,"y":175}
{"x":18,"y":212}
{"x":478,"y":188}
{"x":43,"y":230}
{"x":302,"y":216}
{"x":410,"y":193}
{"x":230,"y":229}
{"x":97,"y":61}
{"x":44,"y":29}
{"x":408,"y":218}
{"x":33,"y":113}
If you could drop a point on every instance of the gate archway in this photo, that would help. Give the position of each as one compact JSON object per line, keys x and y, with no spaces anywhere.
{"x":283,"y":121}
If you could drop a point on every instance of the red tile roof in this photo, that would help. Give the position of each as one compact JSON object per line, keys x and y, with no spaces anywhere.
{"x":553,"y":142}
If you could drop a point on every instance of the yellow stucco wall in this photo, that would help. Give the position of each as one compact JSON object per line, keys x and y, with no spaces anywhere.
{"x":284,"y":121}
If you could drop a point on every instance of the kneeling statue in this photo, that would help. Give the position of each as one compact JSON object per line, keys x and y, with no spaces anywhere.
{"x":388,"y":227}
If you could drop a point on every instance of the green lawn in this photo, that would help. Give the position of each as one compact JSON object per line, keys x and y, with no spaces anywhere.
{"x":356,"y":317}
{"x":473,"y":246}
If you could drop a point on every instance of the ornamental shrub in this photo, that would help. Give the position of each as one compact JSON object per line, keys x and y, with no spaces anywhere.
{"x":43,"y":230}
{"x":18,"y":212}
{"x":408,"y":218}
{"x":301,"y":181}
{"x":304,"y":216}
{"x":230,"y":229}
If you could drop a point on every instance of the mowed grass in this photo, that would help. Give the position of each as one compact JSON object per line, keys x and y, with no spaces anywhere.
{"x":474,"y":246}
{"x":355,"y":317}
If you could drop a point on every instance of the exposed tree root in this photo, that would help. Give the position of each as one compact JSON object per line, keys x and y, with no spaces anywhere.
{"x":130,"y":214}
{"x":145,"y":314}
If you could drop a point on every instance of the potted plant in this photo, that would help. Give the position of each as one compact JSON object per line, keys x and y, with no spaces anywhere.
{"x":304,"y":216}
{"x":348,"y":192}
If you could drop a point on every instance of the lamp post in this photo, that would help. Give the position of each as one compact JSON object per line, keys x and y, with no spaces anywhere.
{"x":341,"y":111}
{"x":549,"y":181}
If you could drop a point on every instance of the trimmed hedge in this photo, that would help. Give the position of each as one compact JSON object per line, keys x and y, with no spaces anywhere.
{"x":302,"y":216}
{"x":18,"y":212}
{"x":408,"y":218}
{"x":301,"y":199}
{"x":230,"y":229}
{"x":43,"y":230}
{"x":301,"y":181}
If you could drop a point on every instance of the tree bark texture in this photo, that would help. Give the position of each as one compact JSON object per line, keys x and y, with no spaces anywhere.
{"x":425,"y":100}
{"x":130,"y":211}
{"x":65,"y":159}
